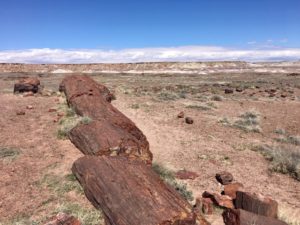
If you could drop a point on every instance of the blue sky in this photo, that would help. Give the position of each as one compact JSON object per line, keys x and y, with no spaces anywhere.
{"x":116,"y":25}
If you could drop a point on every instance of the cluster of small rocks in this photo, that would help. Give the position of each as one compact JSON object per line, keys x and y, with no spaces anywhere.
{"x":240,"y":207}
{"x":188,"y":119}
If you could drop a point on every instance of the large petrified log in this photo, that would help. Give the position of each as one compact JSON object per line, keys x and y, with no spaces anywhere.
{"x":131,"y":193}
{"x":111,"y":132}
{"x":242,"y":217}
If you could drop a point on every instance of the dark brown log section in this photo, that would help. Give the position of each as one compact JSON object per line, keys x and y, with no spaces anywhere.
{"x":257,"y":204}
{"x":242,"y":217}
{"x":131,"y":193}
{"x":111,"y":132}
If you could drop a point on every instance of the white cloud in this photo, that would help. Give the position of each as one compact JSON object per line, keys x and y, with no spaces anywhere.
{"x":185,"y":53}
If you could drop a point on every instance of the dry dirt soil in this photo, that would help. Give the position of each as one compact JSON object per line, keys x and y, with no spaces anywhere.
{"x":35,"y":165}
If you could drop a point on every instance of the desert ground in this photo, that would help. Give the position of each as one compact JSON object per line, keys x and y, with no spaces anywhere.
{"x":35,"y":163}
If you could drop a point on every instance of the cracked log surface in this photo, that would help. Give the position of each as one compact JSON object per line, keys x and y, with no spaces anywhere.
{"x":129,"y":192}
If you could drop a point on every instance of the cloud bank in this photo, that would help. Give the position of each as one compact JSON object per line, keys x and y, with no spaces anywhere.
{"x":186,"y":53}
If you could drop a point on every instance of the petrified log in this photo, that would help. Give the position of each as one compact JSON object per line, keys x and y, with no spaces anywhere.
{"x":111,"y":130}
{"x":131,"y":193}
{"x":105,"y":138}
{"x":231,"y":189}
{"x":29,"y":84}
{"x":242,"y":217}
{"x":255,"y":203}
{"x":78,"y":85}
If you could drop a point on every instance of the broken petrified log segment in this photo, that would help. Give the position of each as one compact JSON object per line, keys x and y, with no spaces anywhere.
{"x":255,"y":203}
{"x":29,"y":84}
{"x":242,"y":217}
{"x":130,"y":192}
{"x":231,"y":189}
{"x":112,"y":132}
{"x":219,"y":200}
{"x":104,"y":138}
{"x":78,"y":85}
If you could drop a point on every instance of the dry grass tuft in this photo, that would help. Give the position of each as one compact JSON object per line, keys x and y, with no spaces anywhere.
{"x":169,"y":178}
{"x":284,"y":159}
{"x":9,"y":153}
{"x":248,"y":122}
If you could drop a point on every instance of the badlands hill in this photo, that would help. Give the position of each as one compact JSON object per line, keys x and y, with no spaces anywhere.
{"x":154,"y":67}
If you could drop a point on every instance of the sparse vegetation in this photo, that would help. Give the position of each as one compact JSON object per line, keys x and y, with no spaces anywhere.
{"x":9,"y":153}
{"x":69,"y":121}
{"x":135,"y":106}
{"x":167,"y":96}
{"x":169,"y":178}
{"x":289,"y":139}
{"x":61,"y":184}
{"x":280,"y":131}
{"x":248,"y":122}
{"x":199,"y":107}
{"x":283,"y":159}
{"x":85,"y":120}
{"x":89,"y":216}
{"x":217,"y":98}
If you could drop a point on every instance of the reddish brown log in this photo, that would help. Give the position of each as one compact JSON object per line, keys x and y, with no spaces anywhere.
{"x":104,"y":138}
{"x":242,"y":217}
{"x":131,"y":193}
{"x":111,"y":130}
{"x":77,"y":85}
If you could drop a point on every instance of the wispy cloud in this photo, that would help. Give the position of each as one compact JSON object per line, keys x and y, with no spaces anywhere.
{"x":185,"y":53}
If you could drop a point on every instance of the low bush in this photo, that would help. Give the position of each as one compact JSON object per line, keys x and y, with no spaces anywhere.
{"x":283,"y":159}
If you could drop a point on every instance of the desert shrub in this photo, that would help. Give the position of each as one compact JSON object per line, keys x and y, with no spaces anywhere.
{"x":135,"y":106}
{"x":289,"y":139}
{"x":248,"y":121}
{"x":9,"y":153}
{"x":217,"y":98}
{"x":199,"y":107}
{"x":169,"y":178}
{"x":212,"y":105}
{"x":70,"y":112}
{"x":283,"y":159}
{"x":280,"y":131}
{"x":167,"y":96}
{"x":85,"y":120}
